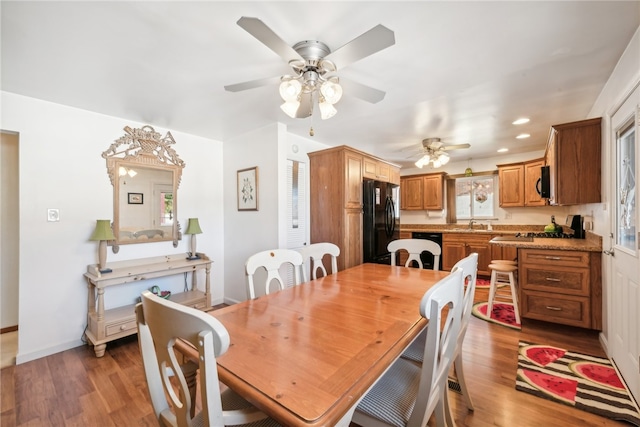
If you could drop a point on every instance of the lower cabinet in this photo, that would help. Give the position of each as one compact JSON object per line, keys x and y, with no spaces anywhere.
{"x":561,"y":287}
{"x":456,"y":246}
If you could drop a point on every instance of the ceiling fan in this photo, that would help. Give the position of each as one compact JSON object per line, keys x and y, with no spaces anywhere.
{"x":313,"y":63}
{"x":435,"y":151}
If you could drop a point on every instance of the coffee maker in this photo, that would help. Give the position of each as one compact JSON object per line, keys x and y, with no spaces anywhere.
{"x":576,"y":223}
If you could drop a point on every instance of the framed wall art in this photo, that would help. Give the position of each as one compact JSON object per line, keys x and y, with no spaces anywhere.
{"x":135,"y":198}
{"x":248,"y":189}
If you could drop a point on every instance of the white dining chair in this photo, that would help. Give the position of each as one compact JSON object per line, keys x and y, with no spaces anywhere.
{"x":409,"y":393}
{"x":312,"y":256}
{"x":161,"y":323}
{"x":271,"y":261}
{"x":469,"y":268}
{"x":415,"y":247}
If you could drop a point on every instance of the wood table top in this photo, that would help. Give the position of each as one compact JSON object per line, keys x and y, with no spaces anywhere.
{"x":307,"y":354}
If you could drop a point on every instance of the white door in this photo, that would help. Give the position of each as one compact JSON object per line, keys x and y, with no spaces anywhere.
{"x":624,"y":288}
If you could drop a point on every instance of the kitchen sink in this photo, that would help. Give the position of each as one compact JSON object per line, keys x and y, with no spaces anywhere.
{"x":472,"y":230}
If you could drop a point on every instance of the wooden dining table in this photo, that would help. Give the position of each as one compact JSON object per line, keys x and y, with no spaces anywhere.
{"x":306,"y":355}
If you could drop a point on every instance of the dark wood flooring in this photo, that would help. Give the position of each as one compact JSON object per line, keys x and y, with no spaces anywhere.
{"x":74,"y":388}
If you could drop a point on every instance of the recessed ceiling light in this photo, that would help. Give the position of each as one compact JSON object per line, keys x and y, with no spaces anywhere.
{"x":521,"y":121}
{"x":523,"y":136}
{"x":503,"y":150}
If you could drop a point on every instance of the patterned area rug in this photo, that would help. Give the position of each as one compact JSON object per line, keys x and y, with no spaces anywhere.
{"x":588,"y":383}
{"x":502,"y":314}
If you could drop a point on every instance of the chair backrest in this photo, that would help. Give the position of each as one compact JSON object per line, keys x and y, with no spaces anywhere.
{"x":415,"y":247}
{"x":271,"y":261}
{"x":440,"y":344}
{"x":160,"y":324}
{"x":312,"y":258}
{"x":469,"y":267}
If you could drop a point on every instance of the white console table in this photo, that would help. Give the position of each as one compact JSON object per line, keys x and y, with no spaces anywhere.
{"x":108,"y":325}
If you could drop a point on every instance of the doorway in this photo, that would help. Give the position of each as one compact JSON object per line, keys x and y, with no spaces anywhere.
{"x":9,"y":246}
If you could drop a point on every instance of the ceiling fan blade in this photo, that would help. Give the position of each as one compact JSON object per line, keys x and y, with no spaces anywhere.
{"x":306,"y":106}
{"x":455,"y":147}
{"x":374,"y":40}
{"x":252,"y":84}
{"x":264,"y":34}
{"x":361,"y":91}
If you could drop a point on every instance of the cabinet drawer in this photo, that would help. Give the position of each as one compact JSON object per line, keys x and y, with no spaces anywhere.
{"x":563,"y":309}
{"x":121,"y":327}
{"x":551,"y":257}
{"x":573,"y":281}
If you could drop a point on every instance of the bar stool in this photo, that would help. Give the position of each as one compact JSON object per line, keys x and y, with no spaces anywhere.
{"x":503,"y":271}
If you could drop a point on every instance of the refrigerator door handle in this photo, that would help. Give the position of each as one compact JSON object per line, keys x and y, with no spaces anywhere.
{"x":389,"y":223}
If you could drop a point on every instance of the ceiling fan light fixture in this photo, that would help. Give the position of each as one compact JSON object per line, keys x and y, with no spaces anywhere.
{"x":290,"y":89}
{"x":422,"y":161}
{"x":331,"y":91}
{"x":290,"y":108}
{"x":327,"y":110}
{"x":443,"y":158}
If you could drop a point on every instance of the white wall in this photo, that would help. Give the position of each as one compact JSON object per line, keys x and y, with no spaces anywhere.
{"x":539,"y":215}
{"x":61,"y":167}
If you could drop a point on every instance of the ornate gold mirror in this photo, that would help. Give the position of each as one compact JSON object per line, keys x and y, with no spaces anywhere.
{"x":145,"y":173}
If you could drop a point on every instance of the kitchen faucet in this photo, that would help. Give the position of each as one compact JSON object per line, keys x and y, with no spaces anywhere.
{"x":471,"y":221}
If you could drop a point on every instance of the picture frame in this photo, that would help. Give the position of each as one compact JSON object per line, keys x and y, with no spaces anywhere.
{"x":135,"y":198}
{"x":248,"y":189}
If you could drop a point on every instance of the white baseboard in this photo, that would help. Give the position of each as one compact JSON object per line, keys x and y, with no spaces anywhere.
{"x":28,"y":357}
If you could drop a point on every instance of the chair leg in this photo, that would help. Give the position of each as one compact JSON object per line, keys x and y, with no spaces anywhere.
{"x":447,"y":410}
{"x":457,"y":363}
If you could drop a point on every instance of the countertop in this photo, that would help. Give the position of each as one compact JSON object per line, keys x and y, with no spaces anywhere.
{"x":592,"y":242}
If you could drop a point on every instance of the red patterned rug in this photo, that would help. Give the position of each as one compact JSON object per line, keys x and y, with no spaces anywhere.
{"x":502,"y":314}
{"x":588,"y":383}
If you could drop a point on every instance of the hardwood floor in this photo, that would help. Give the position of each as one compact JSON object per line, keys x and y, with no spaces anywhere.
{"x":74,"y":388}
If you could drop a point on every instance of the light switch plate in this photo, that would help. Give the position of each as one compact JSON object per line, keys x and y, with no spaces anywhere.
{"x":53,"y":215}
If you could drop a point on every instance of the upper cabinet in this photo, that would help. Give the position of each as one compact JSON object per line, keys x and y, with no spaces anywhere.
{"x":574,"y":158}
{"x":520,"y":184}
{"x":422,"y":192}
{"x":511,"y":186}
{"x":380,"y":170}
{"x":533,"y":182}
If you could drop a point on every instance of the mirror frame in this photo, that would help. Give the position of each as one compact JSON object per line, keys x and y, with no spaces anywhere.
{"x":146,"y":148}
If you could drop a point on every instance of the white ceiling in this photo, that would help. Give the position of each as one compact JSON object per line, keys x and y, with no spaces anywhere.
{"x":461,"y":71}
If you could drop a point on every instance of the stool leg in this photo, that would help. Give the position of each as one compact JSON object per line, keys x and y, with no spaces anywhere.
{"x":514,"y":296}
{"x":492,"y":292}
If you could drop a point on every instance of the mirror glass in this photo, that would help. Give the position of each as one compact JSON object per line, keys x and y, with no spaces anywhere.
{"x":144,"y":204}
{"x":145,"y":172}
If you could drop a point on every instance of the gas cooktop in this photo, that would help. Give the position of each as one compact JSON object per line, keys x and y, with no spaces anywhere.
{"x":547,"y":235}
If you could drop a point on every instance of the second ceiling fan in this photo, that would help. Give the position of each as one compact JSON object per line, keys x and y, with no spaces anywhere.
{"x":435,"y":151}
{"x":313,"y":63}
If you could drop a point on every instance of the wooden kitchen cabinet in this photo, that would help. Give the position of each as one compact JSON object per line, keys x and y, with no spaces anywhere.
{"x":561,"y":287}
{"x":519,"y":183}
{"x":379,"y":170}
{"x":336,"y":176}
{"x":532,"y":173}
{"x":511,"y":179}
{"x":573,"y":155}
{"x":422,"y":192}
{"x":456,"y":246}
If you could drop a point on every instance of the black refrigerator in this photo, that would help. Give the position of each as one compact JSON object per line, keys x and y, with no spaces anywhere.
{"x":381,"y":220}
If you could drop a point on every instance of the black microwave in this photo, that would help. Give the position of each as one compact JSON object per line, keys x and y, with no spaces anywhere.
{"x":543,"y":186}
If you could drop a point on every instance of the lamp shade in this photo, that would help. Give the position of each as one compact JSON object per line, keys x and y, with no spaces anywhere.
{"x":103,"y":231}
{"x":193,"y":227}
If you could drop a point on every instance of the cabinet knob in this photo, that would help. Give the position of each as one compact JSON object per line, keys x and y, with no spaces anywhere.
{"x":123,"y":327}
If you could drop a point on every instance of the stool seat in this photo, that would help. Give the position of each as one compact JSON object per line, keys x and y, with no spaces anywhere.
{"x":504,"y":261}
{"x":503,"y":271}
{"x":502,"y":267}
